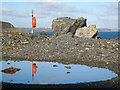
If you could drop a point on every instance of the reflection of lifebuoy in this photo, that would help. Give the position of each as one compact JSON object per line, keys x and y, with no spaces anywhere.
{"x":33,"y":68}
{"x":33,"y":22}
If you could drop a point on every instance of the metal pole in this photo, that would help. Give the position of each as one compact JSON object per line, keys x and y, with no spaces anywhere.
{"x":32,"y":27}
{"x":32,"y":13}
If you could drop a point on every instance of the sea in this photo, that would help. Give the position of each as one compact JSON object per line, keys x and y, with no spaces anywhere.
{"x":103,"y":35}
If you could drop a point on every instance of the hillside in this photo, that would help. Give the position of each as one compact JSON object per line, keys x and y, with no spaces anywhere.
{"x":5,"y":25}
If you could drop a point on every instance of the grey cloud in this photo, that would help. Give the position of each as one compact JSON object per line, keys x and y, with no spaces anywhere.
{"x":46,"y":9}
{"x":57,"y":9}
{"x":111,"y":9}
{"x":10,"y":12}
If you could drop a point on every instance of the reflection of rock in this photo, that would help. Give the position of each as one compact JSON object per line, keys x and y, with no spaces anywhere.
{"x":10,"y":70}
{"x":87,"y":32}
{"x":36,"y":66}
{"x":68,"y":67}
{"x":67,"y":25}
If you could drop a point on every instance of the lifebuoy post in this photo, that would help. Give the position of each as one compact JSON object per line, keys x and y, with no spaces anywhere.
{"x":33,"y":21}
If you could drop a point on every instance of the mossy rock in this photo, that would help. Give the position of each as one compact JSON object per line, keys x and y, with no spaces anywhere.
{"x":6,"y":48}
{"x":68,"y":67}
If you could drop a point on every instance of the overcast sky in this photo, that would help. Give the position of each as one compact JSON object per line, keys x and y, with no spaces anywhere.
{"x":102,"y":14}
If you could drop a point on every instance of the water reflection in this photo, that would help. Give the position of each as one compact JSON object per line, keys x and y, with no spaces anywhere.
{"x":10,"y":70}
{"x":54,"y":73}
{"x":34,"y":70}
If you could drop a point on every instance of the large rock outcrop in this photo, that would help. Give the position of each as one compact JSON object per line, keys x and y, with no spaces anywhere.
{"x":67,"y":25}
{"x":87,"y":32}
{"x":5,"y":25}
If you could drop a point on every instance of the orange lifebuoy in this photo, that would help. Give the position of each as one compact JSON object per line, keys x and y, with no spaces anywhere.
{"x":33,"y":22}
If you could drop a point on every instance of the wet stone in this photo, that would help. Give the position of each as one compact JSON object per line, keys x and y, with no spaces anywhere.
{"x":68,"y":72}
{"x":68,"y":67}
{"x":55,"y":65}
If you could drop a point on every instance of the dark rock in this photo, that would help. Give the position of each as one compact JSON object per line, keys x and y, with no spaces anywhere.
{"x":43,"y":33}
{"x":68,"y":72}
{"x":55,"y":65}
{"x":32,"y":36}
{"x":67,"y":25}
{"x":96,"y":36}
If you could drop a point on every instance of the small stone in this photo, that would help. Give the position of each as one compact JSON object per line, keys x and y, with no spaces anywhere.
{"x":81,"y":51}
{"x":55,"y":65}
{"x":107,"y":62}
{"x":108,"y":42}
{"x":68,"y":72}
{"x":13,"y":45}
{"x":24,"y":42}
{"x":116,"y":48}
{"x":68,"y":67}
{"x":9,"y":35}
{"x":87,"y":48}
{"x":6,"y":48}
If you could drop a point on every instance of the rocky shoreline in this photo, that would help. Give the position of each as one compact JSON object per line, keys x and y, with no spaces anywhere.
{"x":64,"y":48}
